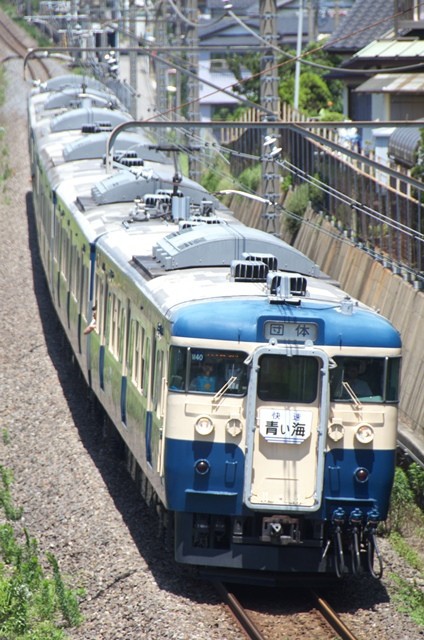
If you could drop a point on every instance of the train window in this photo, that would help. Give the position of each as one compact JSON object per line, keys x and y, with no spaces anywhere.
{"x":370,"y":379}
{"x":122,"y":334}
{"x":74,"y":272}
{"x":288,"y":379}
{"x":392,"y":379}
{"x":57,"y":241}
{"x":115,"y":313}
{"x":84,"y":289}
{"x":207,"y":371}
{"x":157,"y":386}
{"x":138,"y":367}
{"x":99,"y":303}
{"x":64,"y":255}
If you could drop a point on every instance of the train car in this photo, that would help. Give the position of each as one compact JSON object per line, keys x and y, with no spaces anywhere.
{"x":257,"y":401}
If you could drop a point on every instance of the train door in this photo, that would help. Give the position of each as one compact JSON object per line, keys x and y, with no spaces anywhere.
{"x":125,"y":325}
{"x":156,"y":403}
{"x":287,"y":416}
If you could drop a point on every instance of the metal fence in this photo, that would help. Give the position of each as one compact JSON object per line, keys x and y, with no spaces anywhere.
{"x":379,"y":207}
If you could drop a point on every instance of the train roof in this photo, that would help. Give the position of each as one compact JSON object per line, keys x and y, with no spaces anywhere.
{"x":209,"y":301}
{"x":177,"y":243}
{"x":59,"y":83}
{"x":93,"y":145}
{"x":74,"y":146}
{"x":85,"y":115}
{"x":75,"y":96}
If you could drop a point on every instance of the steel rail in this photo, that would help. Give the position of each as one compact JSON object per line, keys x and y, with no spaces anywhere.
{"x":238,"y":612}
{"x":332,"y":618}
{"x":410,"y":448}
{"x":18,"y":51}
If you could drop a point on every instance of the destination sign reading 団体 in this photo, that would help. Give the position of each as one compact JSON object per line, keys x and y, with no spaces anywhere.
{"x":291,"y":331}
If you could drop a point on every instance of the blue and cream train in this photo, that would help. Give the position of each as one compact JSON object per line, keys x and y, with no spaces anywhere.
{"x":257,"y":401}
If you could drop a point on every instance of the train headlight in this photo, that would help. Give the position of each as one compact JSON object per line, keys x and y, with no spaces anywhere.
{"x":365,"y":433}
{"x":204,"y":426}
{"x":335,"y":431}
{"x":202,"y":467}
{"x":361,"y":474}
{"x":234,"y":427}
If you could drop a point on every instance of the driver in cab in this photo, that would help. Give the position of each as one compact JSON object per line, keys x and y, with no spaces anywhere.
{"x":205,"y":381}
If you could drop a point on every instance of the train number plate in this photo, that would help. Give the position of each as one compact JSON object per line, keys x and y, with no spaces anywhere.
{"x":287,"y":426}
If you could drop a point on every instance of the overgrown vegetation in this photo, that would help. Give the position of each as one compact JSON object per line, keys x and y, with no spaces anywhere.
{"x":405,"y":526}
{"x":5,"y":170}
{"x":318,"y":97}
{"x":298,"y":200}
{"x":418,"y":171}
{"x":33,"y":604}
{"x":407,"y":501}
{"x":2,"y":86}
{"x":10,"y":9}
{"x":218,"y":177}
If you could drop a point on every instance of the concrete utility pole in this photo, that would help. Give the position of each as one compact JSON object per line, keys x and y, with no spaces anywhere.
{"x":298,"y":53}
{"x":133,"y":59}
{"x":192,"y":41}
{"x":161,"y":70}
{"x":270,"y":101}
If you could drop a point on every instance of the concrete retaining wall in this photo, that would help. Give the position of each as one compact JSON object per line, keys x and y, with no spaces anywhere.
{"x":373,"y":284}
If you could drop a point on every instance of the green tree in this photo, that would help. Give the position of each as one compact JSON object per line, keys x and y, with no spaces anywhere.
{"x":316,"y":93}
{"x":418,"y":170}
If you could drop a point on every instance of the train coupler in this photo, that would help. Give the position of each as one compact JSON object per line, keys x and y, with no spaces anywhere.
{"x":282,"y":530}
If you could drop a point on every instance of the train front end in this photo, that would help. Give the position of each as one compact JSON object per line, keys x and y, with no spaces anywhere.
{"x":278,"y":466}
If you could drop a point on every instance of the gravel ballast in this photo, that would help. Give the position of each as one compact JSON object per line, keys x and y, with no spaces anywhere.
{"x":78,"y":500}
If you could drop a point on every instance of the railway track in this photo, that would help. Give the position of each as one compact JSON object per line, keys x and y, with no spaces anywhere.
{"x":37,"y":67}
{"x":303,"y":615}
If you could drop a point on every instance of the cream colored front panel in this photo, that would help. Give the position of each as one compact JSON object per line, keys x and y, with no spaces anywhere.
{"x":285,"y":456}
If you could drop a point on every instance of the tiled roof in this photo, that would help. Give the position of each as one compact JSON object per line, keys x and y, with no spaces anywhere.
{"x":238,"y":5}
{"x":368,"y":20}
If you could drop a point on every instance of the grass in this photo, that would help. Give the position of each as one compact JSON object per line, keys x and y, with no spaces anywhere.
{"x":35,"y":604}
{"x":10,"y":10}
{"x":409,"y":598}
{"x":406,"y":534}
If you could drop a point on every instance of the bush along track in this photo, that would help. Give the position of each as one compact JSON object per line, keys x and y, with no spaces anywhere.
{"x":35,"y":603}
{"x":405,"y":527}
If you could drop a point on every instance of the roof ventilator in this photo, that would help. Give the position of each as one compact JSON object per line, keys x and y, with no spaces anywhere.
{"x":282,"y":287}
{"x":130,"y":162}
{"x":151,"y":205}
{"x":267,"y":258}
{"x":126,"y":159}
{"x":248,"y":271}
{"x":96,"y":127}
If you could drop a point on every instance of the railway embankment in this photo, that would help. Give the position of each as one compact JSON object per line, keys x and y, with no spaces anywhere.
{"x":368,"y":280}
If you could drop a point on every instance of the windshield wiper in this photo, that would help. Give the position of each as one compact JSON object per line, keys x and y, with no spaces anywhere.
{"x":352,"y":394}
{"x":218,"y":395}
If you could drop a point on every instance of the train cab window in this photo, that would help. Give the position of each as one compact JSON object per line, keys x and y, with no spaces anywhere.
{"x":207,"y":371}
{"x":367,"y":379}
{"x":291,"y":379}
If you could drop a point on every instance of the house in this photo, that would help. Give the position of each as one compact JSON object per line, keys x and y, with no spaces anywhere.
{"x":382,"y":44}
{"x":383,"y":68}
{"x":221,"y":31}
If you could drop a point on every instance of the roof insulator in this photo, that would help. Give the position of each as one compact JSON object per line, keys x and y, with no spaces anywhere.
{"x":282,"y":286}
